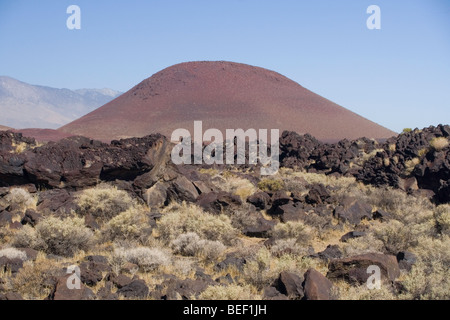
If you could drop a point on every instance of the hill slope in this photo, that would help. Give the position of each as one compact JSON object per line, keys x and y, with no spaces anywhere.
{"x":223,"y":95}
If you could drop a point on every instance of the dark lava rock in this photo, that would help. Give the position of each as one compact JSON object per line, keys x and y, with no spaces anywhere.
{"x":406,"y":260}
{"x":135,"y":289}
{"x":352,"y":235}
{"x":216,"y":202}
{"x":316,"y":286}
{"x":260,"y":200}
{"x":289,"y":284}
{"x":354,"y":212}
{"x":61,"y":291}
{"x":31,"y":217}
{"x":354,"y":269}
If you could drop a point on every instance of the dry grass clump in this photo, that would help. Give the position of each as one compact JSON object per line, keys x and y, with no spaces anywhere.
{"x":293,"y":230}
{"x":230,"y":292}
{"x":344,"y":291}
{"x":263,"y":267}
{"x":442,"y":216}
{"x":429,"y":278}
{"x":13,"y":253}
{"x":362,"y":245}
{"x":128,"y":225}
{"x":439,"y":143}
{"x":190,"y":244}
{"x":31,"y":282}
{"x":184,"y":218}
{"x":271,"y":184}
{"x":62,"y":237}
{"x":148,"y":259}
{"x":21,"y":199}
{"x":104,"y":202}
{"x":236,"y":185}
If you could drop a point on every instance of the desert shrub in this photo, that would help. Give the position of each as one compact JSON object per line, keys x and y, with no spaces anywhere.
{"x":362,"y":245}
{"x":104,"y":202}
{"x":56,"y":236}
{"x":148,"y":259}
{"x":230,"y":292}
{"x":184,"y":218}
{"x":395,"y":236}
{"x":405,"y":208}
{"x":257,"y":271}
{"x":270,"y":184}
{"x":439,"y":143}
{"x":242,"y":218}
{"x":128,"y":225}
{"x":190,"y":244}
{"x":21,"y":199}
{"x":406,"y":130}
{"x":442,"y":216}
{"x":13,"y":253}
{"x":293,"y":230}
{"x":262,"y":267}
{"x":344,"y":291}
{"x":427,"y":282}
{"x":32,"y":281}
{"x":410,"y":165}
{"x":288,"y":246}
{"x":235,"y":185}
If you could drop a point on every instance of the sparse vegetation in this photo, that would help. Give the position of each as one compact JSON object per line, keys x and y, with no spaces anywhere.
{"x":57,"y":236}
{"x":439,"y":143}
{"x":104,"y":202}
{"x":184,"y":218}
{"x":148,"y":259}
{"x":268,"y":184}
{"x":21,"y":199}
{"x":230,"y":292}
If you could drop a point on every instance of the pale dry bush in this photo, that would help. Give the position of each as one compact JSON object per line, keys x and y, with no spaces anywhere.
{"x":230,"y":292}
{"x":104,"y":202}
{"x":427,"y":282}
{"x":262,"y":268}
{"x":190,"y":244}
{"x":128,"y":225}
{"x":32,"y":280}
{"x":442,"y":216}
{"x":429,"y":278}
{"x":362,"y":245}
{"x":242,"y":218}
{"x":293,"y":230}
{"x":404,"y":208}
{"x":236,"y":185}
{"x":184,"y":218}
{"x":439,"y":143}
{"x":343,"y":291}
{"x":56,"y":236}
{"x":21,"y":199}
{"x":396,"y":236}
{"x":271,"y":184}
{"x":291,"y":245}
{"x":13,"y":253}
{"x":148,"y":259}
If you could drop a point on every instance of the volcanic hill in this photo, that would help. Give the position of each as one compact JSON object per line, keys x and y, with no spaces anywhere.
{"x":224,"y":95}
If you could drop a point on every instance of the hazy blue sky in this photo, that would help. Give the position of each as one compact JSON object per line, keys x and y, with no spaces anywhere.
{"x":398,"y":76}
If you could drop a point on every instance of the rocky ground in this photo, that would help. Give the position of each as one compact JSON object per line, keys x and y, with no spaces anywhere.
{"x":139,"y":227}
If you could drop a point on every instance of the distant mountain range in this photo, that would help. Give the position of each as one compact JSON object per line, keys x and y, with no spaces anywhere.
{"x":23,"y":105}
